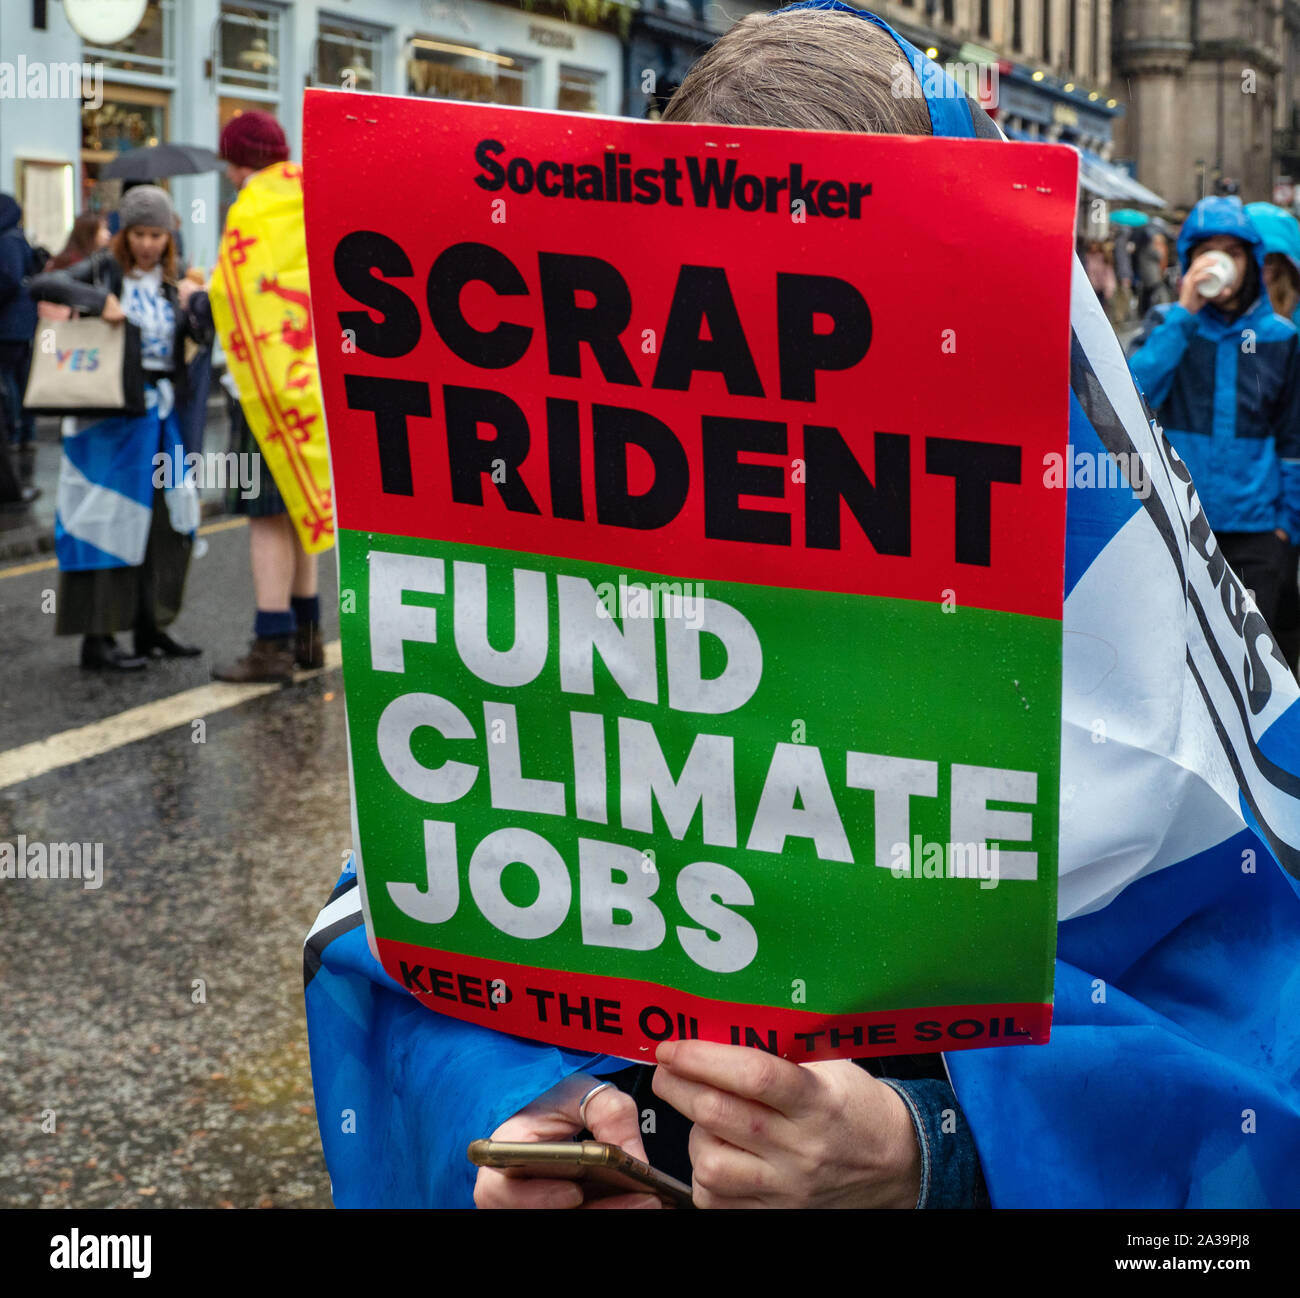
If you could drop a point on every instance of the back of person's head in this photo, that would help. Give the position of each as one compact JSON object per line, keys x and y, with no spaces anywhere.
{"x":806,"y":70}
{"x":253,"y":139}
{"x":84,"y":238}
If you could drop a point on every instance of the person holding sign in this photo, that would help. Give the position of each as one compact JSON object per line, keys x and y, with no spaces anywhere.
{"x":768,"y":1132}
{"x":1178,"y":910}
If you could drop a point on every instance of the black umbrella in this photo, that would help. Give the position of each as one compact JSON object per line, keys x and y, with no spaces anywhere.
{"x":158,"y":160}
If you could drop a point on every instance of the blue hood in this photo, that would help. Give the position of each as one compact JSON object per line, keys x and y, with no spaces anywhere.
{"x":1213,"y":216}
{"x":10,"y":213}
{"x":1278,"y":229}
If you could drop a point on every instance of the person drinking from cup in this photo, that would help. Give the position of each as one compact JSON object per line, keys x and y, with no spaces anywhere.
{"x":1221,"y":370}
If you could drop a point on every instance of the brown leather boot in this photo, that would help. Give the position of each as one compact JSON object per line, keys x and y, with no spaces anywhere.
{"x":269,"y":662}
{"x":308,"y":647}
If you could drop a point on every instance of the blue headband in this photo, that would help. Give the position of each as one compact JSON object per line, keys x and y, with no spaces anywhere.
{"x":949,"y":109}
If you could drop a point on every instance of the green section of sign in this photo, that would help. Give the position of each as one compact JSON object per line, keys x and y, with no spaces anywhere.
{"x":840,"y":674}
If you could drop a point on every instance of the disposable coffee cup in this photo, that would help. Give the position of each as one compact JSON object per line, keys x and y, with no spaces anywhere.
{"x":1222,"y":274}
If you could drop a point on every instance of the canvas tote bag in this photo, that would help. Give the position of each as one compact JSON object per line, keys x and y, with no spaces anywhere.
{"x":85,"y":367}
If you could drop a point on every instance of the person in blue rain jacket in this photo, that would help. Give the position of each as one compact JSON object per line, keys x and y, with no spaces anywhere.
{"x":1222,"y":375}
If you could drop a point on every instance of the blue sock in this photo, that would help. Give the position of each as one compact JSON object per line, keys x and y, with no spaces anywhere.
{"x":272,"y":626}
{"x":306,"y":609}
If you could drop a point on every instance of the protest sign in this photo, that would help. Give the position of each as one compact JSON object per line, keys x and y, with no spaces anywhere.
{"x":700,"y":580}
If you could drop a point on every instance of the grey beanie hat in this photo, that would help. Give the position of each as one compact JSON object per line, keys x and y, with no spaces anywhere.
{"x":146,"y":205}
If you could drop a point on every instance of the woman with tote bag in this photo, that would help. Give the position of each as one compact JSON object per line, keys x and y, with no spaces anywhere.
{"x":125,"y":525}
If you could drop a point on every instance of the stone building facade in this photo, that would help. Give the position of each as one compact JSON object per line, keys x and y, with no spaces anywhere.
{"x":1204,"y":91}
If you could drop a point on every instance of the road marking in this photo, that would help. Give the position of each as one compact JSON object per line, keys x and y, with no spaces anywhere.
{"x":224,"y":525}
{"x":71,"y":746}
{"x":44,"y":565}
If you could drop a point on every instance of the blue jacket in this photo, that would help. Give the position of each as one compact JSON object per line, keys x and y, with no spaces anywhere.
{"x":17,"y":310}
{"x":1227,"y":391}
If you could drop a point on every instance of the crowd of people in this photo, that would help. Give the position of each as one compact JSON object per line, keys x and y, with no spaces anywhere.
{"x":123,"y":541}
{"x":1131,"y":270}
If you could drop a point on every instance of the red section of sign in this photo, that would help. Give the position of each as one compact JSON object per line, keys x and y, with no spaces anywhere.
{"x":619,"y":1016}
{"x":947,"y":230}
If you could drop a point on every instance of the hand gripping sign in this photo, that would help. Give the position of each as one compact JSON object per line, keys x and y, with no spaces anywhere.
{"x":701,"y":589}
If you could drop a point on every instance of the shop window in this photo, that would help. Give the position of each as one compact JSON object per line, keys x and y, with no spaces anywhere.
{"x":149,"y":49}
{"x":249,"y":43}
{"x":349,"y":56}
{"x":448,"y":69}
{"x":131,"y":117}
{"x":579,"y":91}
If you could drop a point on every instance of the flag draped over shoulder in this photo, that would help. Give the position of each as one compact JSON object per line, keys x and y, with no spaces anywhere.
{"x":1172,"y":1078}
{"x":262,"y":308}
{"x":106,"y":486}
{"x":400,"y":1092}
{"x":1173,"y":1074}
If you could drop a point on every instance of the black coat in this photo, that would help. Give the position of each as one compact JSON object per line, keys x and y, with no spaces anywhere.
{"x":17,"y":262}
{"x":86,"y":287}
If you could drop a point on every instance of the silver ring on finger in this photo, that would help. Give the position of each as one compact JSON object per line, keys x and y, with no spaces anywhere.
{"x":586,"y":1099}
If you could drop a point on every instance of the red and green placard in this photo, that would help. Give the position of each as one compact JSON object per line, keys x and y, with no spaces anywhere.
{"x":701,"y":588}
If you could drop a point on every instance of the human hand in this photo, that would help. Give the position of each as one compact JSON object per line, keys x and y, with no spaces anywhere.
{"x":774,"y":1134}
{"x":185,"y":290}
{"x":611,"y":1116}
{"x":53,"y":311}
{"x":1282,"y":534}
{"x":112,"y":311}
{"x":1188,"y":296}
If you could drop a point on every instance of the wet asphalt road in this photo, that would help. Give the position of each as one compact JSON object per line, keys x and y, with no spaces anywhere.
{"x":217,"y":855}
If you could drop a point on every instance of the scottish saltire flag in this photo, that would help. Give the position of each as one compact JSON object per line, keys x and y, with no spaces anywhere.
{"x":1172,"y":1078}
{"x":106,"y":486}
{"x":1173,"y":1075}
{"x":401,"y":1092}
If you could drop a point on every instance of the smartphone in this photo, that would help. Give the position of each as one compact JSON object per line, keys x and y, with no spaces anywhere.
{"x":605,"y":1169}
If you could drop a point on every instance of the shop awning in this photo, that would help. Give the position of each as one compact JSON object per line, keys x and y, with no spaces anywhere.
{"x":1100,"y":177}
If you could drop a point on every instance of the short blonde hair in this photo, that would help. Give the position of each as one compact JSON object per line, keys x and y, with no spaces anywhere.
{"x":812,"y":70}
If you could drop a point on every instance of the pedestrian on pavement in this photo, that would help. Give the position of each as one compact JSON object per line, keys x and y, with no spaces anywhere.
{"x":1280,"y":232}
{"x":1101,"y":273}
{"x":88,"y":235}
{"x":286,"y":624}
{"x":1125,"y":274}
{"x":1152,"y":265}
{"x":18,"y":262}
{"x":17,"y":324}
{"x":1221,"y":370}
{"x":124,"y":532}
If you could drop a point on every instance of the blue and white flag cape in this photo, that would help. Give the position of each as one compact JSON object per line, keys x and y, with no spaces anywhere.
{"x":1172,"y":1078}
{"x":106,"y":486}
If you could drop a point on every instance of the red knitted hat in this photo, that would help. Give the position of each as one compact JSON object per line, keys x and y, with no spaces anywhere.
{"x":253,"y":139}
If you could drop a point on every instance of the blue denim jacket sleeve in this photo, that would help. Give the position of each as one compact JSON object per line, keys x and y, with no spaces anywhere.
{"x":951,"y":1176}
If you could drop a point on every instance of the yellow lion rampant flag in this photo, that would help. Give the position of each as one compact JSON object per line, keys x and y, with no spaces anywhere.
{"x":262,"y":308}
